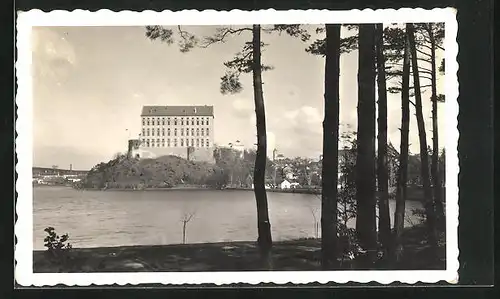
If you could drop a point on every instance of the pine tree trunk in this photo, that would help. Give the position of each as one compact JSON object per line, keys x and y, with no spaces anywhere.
{"x":399,"y":214}
{"x":424,"y":158}
{"x":330,"y":149}
{"x":365,"y":161}
{"x":263,"y":225}
{"x":384,"y":223}
{"x":435,"y":141}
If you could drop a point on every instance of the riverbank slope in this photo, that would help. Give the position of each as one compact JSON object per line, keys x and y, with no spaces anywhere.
{"x":294,"y":255}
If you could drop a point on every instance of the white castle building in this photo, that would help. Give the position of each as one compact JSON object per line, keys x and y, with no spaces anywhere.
{"x":184,"y":131}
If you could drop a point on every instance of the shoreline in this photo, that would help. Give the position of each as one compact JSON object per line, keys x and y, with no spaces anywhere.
{"x":198,"y":188}
{"x":311,"y":191}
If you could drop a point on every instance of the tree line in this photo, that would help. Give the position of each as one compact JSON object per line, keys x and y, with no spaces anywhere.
{"x":391,"y":59}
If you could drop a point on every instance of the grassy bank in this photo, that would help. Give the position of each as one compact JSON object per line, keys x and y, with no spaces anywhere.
{"x":295,"y":255}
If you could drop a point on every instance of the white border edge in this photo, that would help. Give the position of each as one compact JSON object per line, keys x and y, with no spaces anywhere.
{"x":23,"y":228}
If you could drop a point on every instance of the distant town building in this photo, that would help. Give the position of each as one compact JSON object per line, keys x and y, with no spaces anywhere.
{"x":277,"y":156}
{"x":51,"y":176}
{"x":237,"y":146}
{"x":184,"y":131}
{"x":45,"y":171}
{"x":285,"y":184}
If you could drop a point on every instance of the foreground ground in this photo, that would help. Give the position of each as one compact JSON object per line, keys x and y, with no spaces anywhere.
{"x":296,"y":255}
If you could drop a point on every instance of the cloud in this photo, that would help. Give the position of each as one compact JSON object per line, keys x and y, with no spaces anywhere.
{"x":242,"y":107}
{"x":101,"y":68}
{"x":299,"y":131}
{"x":252,"y":120}
{"x":305,"y":120}
{"x":53,"y":55}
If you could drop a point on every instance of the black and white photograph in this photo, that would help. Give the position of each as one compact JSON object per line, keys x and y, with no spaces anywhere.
{"x":257,"y":149}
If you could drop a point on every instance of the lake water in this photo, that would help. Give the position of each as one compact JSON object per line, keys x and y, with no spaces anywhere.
{"x":115,"y":218}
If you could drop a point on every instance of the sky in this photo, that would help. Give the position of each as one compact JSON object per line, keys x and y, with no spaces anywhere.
{"x":90,"y":83}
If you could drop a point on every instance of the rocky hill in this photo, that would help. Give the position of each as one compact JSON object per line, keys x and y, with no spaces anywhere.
{"x":163,"y":172}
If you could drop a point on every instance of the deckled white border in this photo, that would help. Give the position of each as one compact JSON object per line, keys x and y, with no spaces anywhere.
{"x":24,"y":226}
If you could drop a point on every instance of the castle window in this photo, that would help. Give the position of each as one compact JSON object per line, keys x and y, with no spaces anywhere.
{"x":192,"y":142}
{"x":192,"y":121}
{"x":182,"y":142}
{"x":143,"y":121}
{"x":202,"y":143}
{"x":175,"y":121}
{"x":207,"y":122}
{"x":152,"y":132}
{"x":158,"y":121}
{"x":175,"y":132}
{"x":187,"y":132}
{"x":152,"y":143}
{"x":168,"y":142}
{"x":158,"y":131}
{"x":168,"y":121}
{"x":162,"y":131}
{"x":163,"y":121}
{"x":162,"y":142}
{"x":197,"y":142}
{"x":202,"y":122}
{"x":158,"y":142}
{"x":168,"y":132}
{"x":192,"y":131}
{"x":182,"y":131}
{"x":175,"y":142}
{"x":147,"y":142}
{"x":148,"y":121}
{"x":147,"y":132}
{"x":197,"y":121}
{"x":202,"y":131}
{"x":208,"y":143}
{"x":143,"y":132}
{"x":182,"y":121}
{"x":208,"y":132}
{"x":197,"y":132}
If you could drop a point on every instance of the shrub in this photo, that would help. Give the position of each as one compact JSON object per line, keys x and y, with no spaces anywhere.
{"x":56,"y":245}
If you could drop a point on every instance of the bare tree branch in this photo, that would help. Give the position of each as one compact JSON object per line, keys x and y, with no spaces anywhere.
{"x":188,"y":41}
{"x":424,"y":60}
{"x":439,"y":47}
{"x":221,"y":34}
{"x":425,"y":46}
{"x":294,"y":30}
{"x":420,"y":69}
{"x":423,"y":53}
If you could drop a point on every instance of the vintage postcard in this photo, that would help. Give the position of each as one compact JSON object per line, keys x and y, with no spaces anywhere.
{"x":204,"y":147}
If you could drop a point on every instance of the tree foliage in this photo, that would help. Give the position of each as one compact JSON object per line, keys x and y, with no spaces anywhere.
{"x":242,"y":63}
{"x":155,"y":32}
{"x":347,"y":44}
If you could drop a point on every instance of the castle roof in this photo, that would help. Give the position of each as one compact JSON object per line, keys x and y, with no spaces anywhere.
{"x":177,"y":111}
